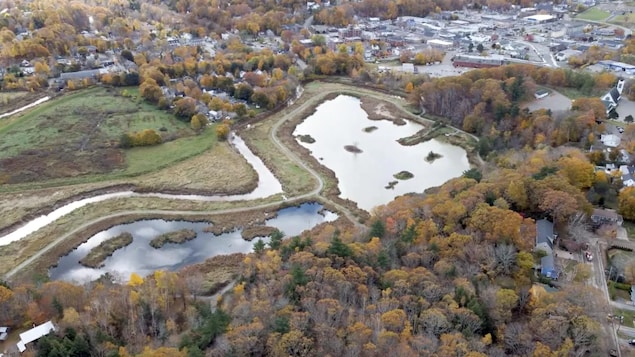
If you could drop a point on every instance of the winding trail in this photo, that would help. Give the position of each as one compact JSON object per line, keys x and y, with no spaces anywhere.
{"x":326,"y":89}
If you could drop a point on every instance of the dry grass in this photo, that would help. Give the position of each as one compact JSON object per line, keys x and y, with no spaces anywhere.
{"x":96,"y":257}
{"x":177,"y":237}
{"x":250,"y":233}
{"x":220,"y":170}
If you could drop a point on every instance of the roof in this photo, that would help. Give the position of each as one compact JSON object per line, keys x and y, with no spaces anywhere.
{"x":34,"y":334}
{"x":608,"y":214}
{"x":544,"y":232}
{"x":615,"y":94}
{"x":548,"y":266}
{"x":540,"y":17}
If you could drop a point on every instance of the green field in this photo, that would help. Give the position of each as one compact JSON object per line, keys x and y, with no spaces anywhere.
{"x":75,"y":138}
{"x":627,"y":20}
{"x":593,"y":14}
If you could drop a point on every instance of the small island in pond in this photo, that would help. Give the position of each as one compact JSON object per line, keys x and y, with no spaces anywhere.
{"x":391,"y":185}
{"x":352,"y":148}
{"x":177,"y":237}
{"x":433,"y":156}
{"x":370,"y":129}
{"x":98,"y":255}
{"x":403,"y":175}
{"x":306,"y":139}
{"x":250,"y":233}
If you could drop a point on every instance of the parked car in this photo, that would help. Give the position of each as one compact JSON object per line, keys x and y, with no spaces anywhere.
{"x":588,"y":256}
{"x":631,"y":342}
{"x":620,"y":129}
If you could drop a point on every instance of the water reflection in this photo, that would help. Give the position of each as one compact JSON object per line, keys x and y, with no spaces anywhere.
{"x":268,"y":185}
{"x":363,"y":176}
{"x":140,"y":258}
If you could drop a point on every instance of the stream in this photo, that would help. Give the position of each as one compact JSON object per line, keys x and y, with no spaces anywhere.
{"x":268,"y":185}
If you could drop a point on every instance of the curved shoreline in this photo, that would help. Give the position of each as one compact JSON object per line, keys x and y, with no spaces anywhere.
{"x":262,"y":190}
{"x":285,"y":143}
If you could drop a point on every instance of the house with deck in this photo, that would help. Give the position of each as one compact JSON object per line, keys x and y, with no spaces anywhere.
{"x":545,"y":238}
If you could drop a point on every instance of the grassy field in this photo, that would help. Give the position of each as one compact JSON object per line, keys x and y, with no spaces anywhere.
{"x":627,"y":20}
{"x":630,"y":229}
{"x":593,"y":14}
{"x":78,"y":134}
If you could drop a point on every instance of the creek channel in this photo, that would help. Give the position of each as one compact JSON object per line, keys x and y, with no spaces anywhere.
{"x":268,"y":185}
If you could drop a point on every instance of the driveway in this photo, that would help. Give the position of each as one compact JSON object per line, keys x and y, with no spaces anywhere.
{"x":625,"y":107}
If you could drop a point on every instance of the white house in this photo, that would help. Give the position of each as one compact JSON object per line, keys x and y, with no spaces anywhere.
{"x":34,"y":334}
{"x":408,"y":67}
{"x":610,"y":140}
{"x":4,"y":333}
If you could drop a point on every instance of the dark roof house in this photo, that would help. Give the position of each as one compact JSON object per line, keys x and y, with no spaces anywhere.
{"x":544,"y":235}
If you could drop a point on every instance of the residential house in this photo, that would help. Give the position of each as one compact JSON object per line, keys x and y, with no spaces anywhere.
{"x":4,"y":333}
{"x":34,"y":334}
{"x":610,"y":140}
{"x":548,"y":267}
{"x":79,"y":75}
{"x":544,"y":236}
{"x":628,"y":175}
{"x":601,"y":217}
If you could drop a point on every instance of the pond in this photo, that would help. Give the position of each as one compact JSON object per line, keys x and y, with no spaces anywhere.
{"x":268,"y":185}
{"x":364,"y":175}
{"x":139,"y":257}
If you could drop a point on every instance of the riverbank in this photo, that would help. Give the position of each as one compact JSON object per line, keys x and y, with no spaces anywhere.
{"x":302,"y":177}
{"x":199,"y":175}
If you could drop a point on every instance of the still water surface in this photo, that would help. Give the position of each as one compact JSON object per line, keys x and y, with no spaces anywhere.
{"x":362,"y":177}
{"x":139,"y":257}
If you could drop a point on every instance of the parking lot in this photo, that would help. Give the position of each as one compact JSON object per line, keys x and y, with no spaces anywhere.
{"x":555,"y":101}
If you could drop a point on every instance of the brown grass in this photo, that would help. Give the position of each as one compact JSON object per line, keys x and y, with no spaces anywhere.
{"x":176,"y":237}
{"x":214,"y":273}
{"x":221,"y":170}
{"x":96,"y":257}
{"x":252,"y":232}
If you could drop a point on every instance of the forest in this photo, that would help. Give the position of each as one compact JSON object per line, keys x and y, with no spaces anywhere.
{"x":446,"y":273}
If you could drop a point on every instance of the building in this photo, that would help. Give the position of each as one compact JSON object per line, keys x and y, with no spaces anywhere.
{"x":540,"y":19}
{"x":478,"y":61}
{"x":408,"y":67}
{"x":541,"y":93}
{"x":617,"y":66}
{"x":610,"y":140}
{"x":628,"y":175}
{"x":564,"y":55}
{"x":612,"y":97}
{"x":545,"y":238}
{"x":605,"y":216}
{"x":34,"y":334}
{"x":440,"y":44}
{"x":4,"y":333}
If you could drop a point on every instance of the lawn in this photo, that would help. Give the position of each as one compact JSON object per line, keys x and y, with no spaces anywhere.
{"x":625,"y":20}
{"x":630,"y":229}
{"x":593,"y":14}
{"x":76,"y":136}
{"x":629,"y":316}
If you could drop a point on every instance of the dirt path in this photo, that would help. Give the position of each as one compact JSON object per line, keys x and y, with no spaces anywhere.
{"x":308,"y":99}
